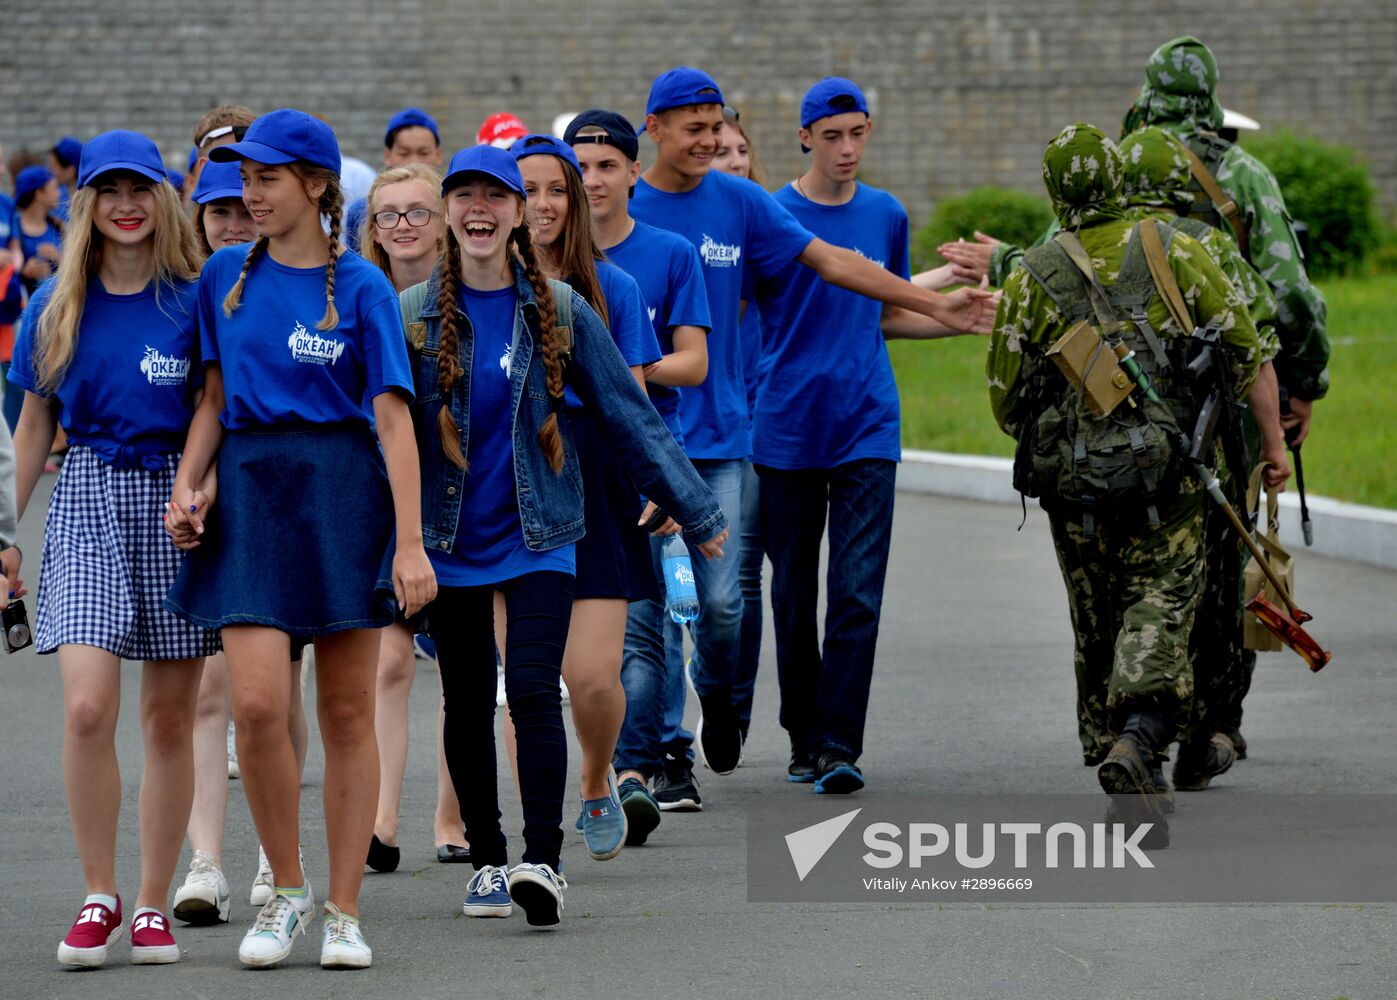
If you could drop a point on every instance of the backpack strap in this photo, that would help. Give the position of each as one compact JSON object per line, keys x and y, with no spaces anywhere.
{"x":410,"y":302}
{"x":562,"y":301}
{"x":1164,"y":279}
{"x":1100,"y":303}
{"x":1226,"y":207}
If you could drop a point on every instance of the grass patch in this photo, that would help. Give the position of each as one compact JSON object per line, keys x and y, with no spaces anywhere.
{"x":945,"y":404}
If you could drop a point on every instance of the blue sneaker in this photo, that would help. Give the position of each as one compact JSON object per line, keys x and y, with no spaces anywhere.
{"x":487,"y":894}
{"x":539,"y":890}
{"x":604,"y":823}
{"x":641,"y":809}
{"x":835,"y":774}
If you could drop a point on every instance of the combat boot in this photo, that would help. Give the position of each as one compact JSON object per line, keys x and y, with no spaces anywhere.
{"x":1201,"y":761}
{"x":1162,"y":791}
{"x":1239,"y":742}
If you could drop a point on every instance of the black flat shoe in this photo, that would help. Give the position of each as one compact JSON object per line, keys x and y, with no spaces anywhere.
{"x":453,"y":854}
{"x":382,"y":858}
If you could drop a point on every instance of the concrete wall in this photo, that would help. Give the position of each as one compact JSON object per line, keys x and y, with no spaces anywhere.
{"x":965,"y":93}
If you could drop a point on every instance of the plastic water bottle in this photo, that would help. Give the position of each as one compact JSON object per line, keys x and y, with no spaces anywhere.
{"x":681,"y":596}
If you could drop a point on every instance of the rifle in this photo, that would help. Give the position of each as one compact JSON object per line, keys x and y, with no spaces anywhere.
{"x":1290,"y":435}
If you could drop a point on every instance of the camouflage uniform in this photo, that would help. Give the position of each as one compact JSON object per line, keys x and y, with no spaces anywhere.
{"x":1180,"y":96}
{"x":1157,"y":186}
{"x":1133,"y":589}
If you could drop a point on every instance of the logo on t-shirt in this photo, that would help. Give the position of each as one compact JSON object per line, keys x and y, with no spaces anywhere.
{"x":506,"y":358}
{"x":313,"y":349}
{"x":161,"y":369}
{"x":881,"y":263}
{"x":717,"y":254}
{"x":652,"y":314}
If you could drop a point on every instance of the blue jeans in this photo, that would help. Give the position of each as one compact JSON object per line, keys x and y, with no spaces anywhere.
{"x":652,"y":666}
{"x":749,"y":578}
{"x":824,"y":694}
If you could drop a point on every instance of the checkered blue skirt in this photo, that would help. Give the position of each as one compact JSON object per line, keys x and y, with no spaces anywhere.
{"x":108,"y":564}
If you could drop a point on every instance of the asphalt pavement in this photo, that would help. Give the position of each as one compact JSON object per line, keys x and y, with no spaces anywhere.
{"x":973,"y":693}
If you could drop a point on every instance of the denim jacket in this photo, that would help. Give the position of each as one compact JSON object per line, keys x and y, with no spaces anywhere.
{"x":550,"y":504}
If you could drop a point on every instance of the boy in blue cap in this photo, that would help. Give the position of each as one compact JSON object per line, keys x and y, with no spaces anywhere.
{"x":670,"y":275}
{"x":64,"y":158}
{"x":412,"y":137}
{"x":738,"y":228}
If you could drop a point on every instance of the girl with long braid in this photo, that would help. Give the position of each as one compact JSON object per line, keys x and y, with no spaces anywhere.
{"x":614,"y":564}
{"x":301,"y":541}
{"x":503,"y":506}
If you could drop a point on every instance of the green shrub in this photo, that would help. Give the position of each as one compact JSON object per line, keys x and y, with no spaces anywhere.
{"x":1009,"y":215}
{"x":1383,"y":260}
{"x":1328,"y":188}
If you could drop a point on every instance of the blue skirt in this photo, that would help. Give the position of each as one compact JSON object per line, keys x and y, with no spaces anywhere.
{"x":300,"y":537}
{"x":613,"y":557}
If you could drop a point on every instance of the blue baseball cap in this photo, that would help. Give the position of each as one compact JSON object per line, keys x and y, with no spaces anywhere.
{"x":193,"y":158}
{"x":411,"y":118}
{"x":31,"y":179}
{"x":616,"y":131}
{"x":69,"y":150}
{"x":488,"y":160}
{"x":218,"y":180}
{"x":538,"y":144}
{"x":681,"y":87}
{"x":284,"y":136}
{"x":120,"y":149}
{"x":834,"y":95}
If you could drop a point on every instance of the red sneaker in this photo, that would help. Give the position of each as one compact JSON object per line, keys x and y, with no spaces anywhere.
{"x":151,"y":940}
{"x":95,"y":928}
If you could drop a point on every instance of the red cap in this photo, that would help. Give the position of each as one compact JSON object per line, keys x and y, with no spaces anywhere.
{"x":500,"y":130}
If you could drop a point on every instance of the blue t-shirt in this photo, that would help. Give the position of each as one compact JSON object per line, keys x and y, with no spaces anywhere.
{"x":670,"y":275}
{"x":735,"y":226}
{"x":627,"y":319}
{"x":7,"y":211}
{"x":29,"y":246}
{"x":278,"y":369}
{"x":129,"y":390}
{"x":829,"y":396}
{"x":489,"y":536}
{"x":354,"y":223}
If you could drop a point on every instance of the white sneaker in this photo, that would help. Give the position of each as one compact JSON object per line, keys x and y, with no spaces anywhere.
{"x":234,"y":771}
{"x":204,"y":898}
{"x":269,"y":939}
{"x":342,"y":942}
{"x":500,"y":699}
{"x":538,"y":889}
{"x":262,"y":885}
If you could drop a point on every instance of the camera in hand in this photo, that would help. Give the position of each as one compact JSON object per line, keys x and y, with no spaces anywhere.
{"x":15,"y":621}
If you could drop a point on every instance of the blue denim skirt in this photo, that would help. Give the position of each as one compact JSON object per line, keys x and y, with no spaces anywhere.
{"x":300,"y":537}
{"x":613,"y":557}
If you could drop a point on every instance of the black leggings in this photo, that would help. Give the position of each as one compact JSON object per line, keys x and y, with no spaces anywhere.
{"x":461,"y":621}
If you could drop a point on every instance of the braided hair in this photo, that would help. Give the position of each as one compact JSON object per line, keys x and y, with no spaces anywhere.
{"x":550,"y":439}
{"x":330,"y":203}
{"x":449,"y":351}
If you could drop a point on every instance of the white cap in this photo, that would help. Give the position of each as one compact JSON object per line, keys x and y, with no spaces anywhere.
{"x":561,"y":123}
{"x":1237,"y":120}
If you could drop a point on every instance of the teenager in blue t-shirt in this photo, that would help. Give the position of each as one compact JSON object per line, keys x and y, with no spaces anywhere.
{"x":667,"y":269}
{"x":109,"y":351}
{"x":737,"y":227}
{"x":36,"y":229}
{"x":504,"y":505}
{"x":296,"y":337}
{"x":826,"y":442}
{"x":614,"y":564}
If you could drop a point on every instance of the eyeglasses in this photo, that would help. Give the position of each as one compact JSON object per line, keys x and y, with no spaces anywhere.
{"x":416,"y":218}
{"x":236,"y":131}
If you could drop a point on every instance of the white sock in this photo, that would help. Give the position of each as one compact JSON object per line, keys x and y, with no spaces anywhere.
{"x":108,"y":901}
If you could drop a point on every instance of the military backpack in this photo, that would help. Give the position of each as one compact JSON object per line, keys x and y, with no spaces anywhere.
{"x":1072,"y":455}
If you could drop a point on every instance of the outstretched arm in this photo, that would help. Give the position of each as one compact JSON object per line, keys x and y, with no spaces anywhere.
{"x":970,"y":310}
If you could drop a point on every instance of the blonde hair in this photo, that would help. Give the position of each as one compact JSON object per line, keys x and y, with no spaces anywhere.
{"x":176,"y":256}
{"x":225,"y":114}
{"x":429,"y":177}
{"x":331,"y":203}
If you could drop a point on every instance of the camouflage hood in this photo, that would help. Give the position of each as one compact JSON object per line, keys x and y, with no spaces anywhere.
{"x":1156,"y":170}
{"x":1181,"y":82}
{"x":1083,"y":173}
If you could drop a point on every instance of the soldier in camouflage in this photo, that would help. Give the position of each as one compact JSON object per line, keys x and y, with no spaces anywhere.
{"x":1179,"y":96}
{"x":1133,"y":587}
{"x":1157,"y":181}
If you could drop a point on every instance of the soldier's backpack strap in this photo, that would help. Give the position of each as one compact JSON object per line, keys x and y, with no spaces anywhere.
{"x":1226,"y":207}
{"x":1100,"y":303}
{"x":1164,"y":279}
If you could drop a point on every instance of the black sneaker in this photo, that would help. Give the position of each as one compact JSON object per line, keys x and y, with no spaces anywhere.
{"x":1200,"y":762}
{"x":676,"y":790}
{"x":802,"y":769}
{"x":717,"y":735}
{"x":641,"y":809}
{"x":835,"y":774}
